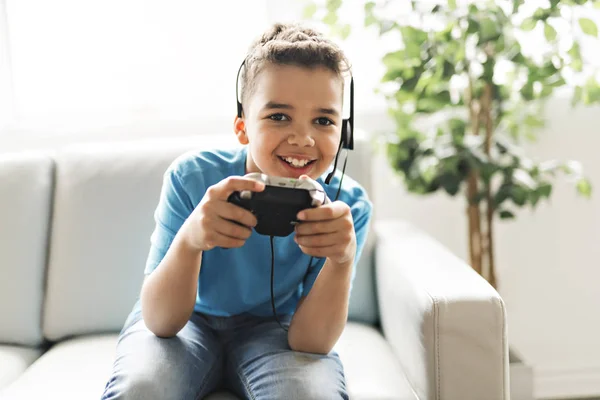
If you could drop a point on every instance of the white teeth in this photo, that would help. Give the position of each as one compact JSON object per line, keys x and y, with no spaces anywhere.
{"x":295,"y":162}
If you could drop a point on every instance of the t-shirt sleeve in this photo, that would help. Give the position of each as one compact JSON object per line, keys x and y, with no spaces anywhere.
{"x":361,"y":215}
{"x":174,"y":206}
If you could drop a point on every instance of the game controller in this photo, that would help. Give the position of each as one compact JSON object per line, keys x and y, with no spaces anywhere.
{"x":278,"y":204}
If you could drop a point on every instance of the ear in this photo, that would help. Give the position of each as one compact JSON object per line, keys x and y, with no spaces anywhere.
{"x":239,"y":127}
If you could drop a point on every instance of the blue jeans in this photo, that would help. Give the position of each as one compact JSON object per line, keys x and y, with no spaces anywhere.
{"x":244,"y":354}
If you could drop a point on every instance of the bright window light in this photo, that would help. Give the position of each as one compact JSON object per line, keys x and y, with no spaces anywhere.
{"x":80,"y":62}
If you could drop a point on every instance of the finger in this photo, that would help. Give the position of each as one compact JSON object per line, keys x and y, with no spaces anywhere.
{"x":232,"y":230}
{"x":319,"y":227}
{"x":226,"y":187}
{"x":327,"y":251}
{"x":226,"y":241}
{"x":324,"y":212}
{"x":324,"y":240}
{"x":235,"y":213}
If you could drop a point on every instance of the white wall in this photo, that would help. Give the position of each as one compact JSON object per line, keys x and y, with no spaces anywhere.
{"x":549,"y":260}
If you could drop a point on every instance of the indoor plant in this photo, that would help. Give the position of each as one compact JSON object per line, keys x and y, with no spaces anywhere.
{"x":465,"y":97}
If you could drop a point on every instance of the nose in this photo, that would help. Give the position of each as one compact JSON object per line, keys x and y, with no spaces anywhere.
{"x":301,"y":137}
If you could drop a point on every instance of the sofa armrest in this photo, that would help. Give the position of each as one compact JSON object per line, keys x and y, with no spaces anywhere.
{"x":445,"y":323}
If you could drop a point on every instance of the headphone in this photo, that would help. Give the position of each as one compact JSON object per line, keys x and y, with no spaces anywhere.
{"x":347,"y":136}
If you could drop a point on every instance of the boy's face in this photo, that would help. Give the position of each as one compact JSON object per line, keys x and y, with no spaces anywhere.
{"x":292,"y":122}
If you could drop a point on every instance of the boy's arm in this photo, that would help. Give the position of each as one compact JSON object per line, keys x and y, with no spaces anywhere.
{"x":322,"y":312}
{"x":169,"y":294}
{"x":183,"y":231}
{"x":321,"y":316}
{"x":169,"y":290}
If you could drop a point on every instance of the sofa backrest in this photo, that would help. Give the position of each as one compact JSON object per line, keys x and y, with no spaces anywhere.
{"x":102,"y":217}
{"x":25,"y":205}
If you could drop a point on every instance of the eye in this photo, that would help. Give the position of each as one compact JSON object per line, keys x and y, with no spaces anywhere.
{"x":279,"y":117}
{"x":324,"y":121}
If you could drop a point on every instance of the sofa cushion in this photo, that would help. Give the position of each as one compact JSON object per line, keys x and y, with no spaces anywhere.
{"x":14,"y":360}
{"x":25,"y":198}
{"x":371,"y":367}
{"x":104,"y":203}
{"x":79,"y":369}
{"x":105,"y":199}
{"x":74,"y":369}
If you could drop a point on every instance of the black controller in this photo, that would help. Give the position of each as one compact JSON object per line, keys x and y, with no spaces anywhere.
{"x":278,"y":204}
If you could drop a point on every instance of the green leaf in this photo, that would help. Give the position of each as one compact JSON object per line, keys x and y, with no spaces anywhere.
{"x":413,"y":35}
{"x":544,"y":190}
{"x":546,"y":91}
{"x":458,"y":127}
{"x":597,"y":4}
{"x":577,"y":96}
{"x":527,"y":91}
{"x":502,"y":194}
{"x":369,"y":6}
{"x":528,"y":24}
{"x":345,"y":31}
{"x":505,"y":214}
{"x":452,"y":4}
{"x":370,"y":18}
{"x":516,"y":5}
{"x":590,"y":92}
{"x":549,"y":32}
{"x":575,"y":54}
{"x":489,"y":30}
{"x":430,"y":105}
{"x":518,"y":195}
{"x":472,"y":25}
{"x":333,"y":5}
{"x":330,"y":18}
{"x":584,"y":187}
{"x":309,"y":10}
{"x":588,"y":27}
{"x":534,"y":121}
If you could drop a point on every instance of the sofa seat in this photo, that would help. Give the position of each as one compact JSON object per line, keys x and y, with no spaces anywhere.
{"x":14,"y":360}
{"x":79,"y":368}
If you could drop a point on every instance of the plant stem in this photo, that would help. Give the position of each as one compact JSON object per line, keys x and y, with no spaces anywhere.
{"x":489,"y":253}
{"x":473,"y":211}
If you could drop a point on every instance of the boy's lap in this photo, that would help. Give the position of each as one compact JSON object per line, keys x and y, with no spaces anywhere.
{"x":258,"y":359}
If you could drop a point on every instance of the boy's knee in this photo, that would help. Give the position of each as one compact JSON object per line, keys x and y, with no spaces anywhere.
{"x":146,"y":381}
{"x":303,"y":376}
{"x":303,"y":390}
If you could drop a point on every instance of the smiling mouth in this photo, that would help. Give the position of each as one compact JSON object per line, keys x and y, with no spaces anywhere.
{"x":296,"y":163}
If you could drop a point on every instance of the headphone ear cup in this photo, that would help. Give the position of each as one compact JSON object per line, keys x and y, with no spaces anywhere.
{"x":345,"y":133}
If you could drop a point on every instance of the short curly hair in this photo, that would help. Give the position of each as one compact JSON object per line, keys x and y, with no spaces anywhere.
{"x":290,"y":44}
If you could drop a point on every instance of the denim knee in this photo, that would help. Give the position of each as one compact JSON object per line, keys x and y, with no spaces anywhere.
{"x":148,"y":367}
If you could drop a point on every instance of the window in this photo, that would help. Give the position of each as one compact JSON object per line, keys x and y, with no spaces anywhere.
{"x":80,"y":63}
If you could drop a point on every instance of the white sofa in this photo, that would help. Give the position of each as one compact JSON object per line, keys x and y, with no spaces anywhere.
{"x":74,"y":233}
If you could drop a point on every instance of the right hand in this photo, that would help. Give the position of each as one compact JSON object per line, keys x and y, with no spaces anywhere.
{"x":211,"y":223}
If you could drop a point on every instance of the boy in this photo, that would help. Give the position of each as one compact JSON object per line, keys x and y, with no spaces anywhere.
{"x":204,"y":320}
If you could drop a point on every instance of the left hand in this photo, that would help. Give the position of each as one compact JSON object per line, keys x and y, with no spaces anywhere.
{"x":327,"y":231}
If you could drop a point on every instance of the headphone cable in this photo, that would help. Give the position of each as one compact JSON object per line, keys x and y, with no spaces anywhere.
{"x":311,"y":257}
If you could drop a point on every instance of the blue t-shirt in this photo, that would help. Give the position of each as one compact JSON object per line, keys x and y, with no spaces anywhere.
{"x":238,"y":280}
